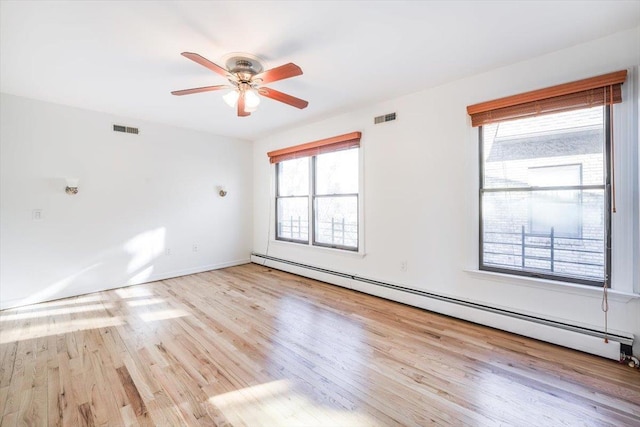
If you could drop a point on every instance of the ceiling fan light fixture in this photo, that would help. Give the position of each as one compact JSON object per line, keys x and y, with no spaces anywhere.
{"x":231,"y":98}
{"x":251,"y":100}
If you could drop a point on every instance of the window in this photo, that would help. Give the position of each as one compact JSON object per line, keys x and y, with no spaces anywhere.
{"x":540,"y":215}
{"x":545,"y":184}
{"x":321,"y":184}
{"x":292,"y":201}
{"x":335,"y":199}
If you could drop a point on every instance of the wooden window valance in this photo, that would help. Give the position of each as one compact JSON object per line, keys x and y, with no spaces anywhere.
{"x":328,"y":145}
{"x":600,"y":90}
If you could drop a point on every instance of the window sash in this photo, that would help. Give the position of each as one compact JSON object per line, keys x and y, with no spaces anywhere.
{"x":312,"y":207}
{"x":606,"y":188}
{"x":316,"y":241}
{"x":317,"y":183}
{"x":559,"y":187}
{"x":280,"y":221}
{"x":278,"y":184}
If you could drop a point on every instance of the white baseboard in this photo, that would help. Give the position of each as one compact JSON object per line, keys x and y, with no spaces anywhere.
{"x":193,"y":270}
{"x":19,"y":302}
{"x":531,"y":329}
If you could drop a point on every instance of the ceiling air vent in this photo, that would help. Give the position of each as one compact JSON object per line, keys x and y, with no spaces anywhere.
{"x":125,"y":129}
{"x":384,"y":118}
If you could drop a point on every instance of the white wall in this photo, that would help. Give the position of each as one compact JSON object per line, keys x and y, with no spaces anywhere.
{"x":139,"y":196}
{"x":420,"y":191}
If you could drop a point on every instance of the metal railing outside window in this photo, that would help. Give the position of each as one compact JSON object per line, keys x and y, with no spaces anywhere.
{"x":545,"y":253}
{"x":338,"y":232}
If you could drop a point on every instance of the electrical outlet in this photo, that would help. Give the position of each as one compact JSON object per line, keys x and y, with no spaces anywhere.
{"x":167,"y":251}
{"x":194,"y":248}
{"x":36,"y":215}
{"x":403,"y":266}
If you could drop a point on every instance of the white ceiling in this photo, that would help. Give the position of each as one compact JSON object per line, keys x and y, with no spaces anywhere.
{"x":124,"y":57}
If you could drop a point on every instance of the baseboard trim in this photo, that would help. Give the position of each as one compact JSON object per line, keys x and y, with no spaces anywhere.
{"x":20,"y":302}
{"x":193,"y":270}
{"x":571,"y":336}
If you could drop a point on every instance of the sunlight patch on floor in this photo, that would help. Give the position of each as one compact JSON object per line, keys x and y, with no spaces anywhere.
{"x":163,"y":315}
{"x":148,"y":301}
{"x":133,"y":292}
{"x":38,"y":331}
{"x":54,"y":312}
{"x":279,"y":403}
{"x":57,"y":303}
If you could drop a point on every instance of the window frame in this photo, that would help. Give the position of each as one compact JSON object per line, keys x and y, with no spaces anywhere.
{"x":278,"y":196}
{"x":312,"y":197}
{"x":607,"y":213}
{"x":315,"y":196}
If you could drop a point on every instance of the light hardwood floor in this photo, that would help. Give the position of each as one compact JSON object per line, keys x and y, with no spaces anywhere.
{"x":253,"y":346}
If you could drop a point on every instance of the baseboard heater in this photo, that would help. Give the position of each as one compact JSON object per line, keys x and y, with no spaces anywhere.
{"x":625,"y":342}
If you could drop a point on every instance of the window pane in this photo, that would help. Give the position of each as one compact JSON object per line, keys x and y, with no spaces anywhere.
{"x":293,"y":177}
{"x":513,"y":149}
{"x":558,"y":209}
{"x":337,"y":172}
{"x":293,"y":218}
{"x":518,"y":226}
{"x":337,"y":221}
{"x":555,"y":176}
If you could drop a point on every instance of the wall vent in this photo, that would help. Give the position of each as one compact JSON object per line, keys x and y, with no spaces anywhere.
{"x":125,"y":129}
{"x":384,"y":118}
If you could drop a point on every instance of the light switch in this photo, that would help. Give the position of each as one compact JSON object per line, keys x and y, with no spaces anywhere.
{"x":36,"y":214}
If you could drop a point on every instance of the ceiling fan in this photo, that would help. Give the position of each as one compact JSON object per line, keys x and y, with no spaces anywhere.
{"x":246,"y":77}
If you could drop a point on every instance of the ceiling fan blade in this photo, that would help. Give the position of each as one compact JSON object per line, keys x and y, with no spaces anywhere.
{"x":279,"y":73}
{"x":241,"y":111}
{"x":199,"y":89}
{"x":206,"y":63}
{"x":283,"y":97}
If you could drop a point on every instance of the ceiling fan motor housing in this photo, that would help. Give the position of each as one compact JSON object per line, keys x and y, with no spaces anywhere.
{"x":244,"y":64}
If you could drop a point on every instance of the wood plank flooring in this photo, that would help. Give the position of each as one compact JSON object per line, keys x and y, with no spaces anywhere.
{"x":248,"y":345}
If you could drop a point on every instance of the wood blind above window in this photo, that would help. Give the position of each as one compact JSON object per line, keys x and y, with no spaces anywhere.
{"x":328,"y":145}
{"x":600,"y":90}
